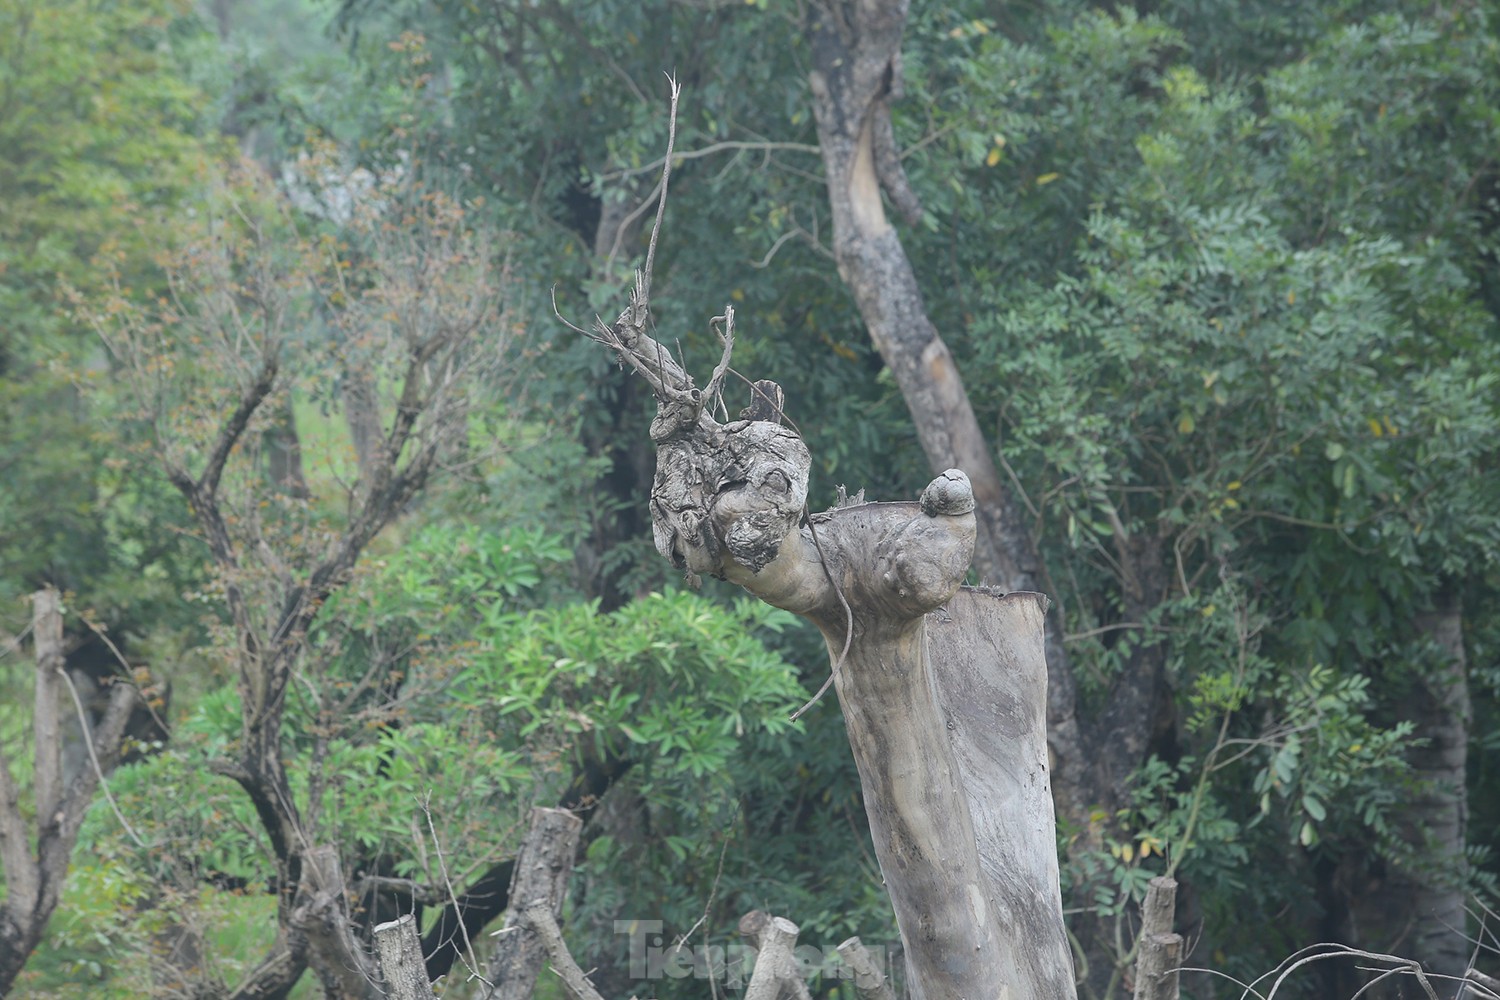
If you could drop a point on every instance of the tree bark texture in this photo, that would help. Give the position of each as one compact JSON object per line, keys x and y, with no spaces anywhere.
{"x":869,"y":980}
{"x":1159,"y":947}
{"x":488,"y":896}
{"x":944,"y":702}
{"x":401,"y":965}
{"x":320,"y":913}
{"x":1414,"y":904}
{"x":541,"y":880}
{"x":856,"y":47}
{"x":1437,"y":822}
{"x":776,"y":974}
{"x":544,"y":925}
{"x":35,"y":861}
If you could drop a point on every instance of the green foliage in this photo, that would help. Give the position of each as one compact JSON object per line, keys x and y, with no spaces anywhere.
{"x":1233,"y":307}
{"x":1220,"y":277}
{"x":96,"y":123}
{"x":501,"y":701}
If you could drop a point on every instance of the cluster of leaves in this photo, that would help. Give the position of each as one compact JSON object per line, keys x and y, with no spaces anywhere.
{"x":494,"y":703}
{"x":1265,"y":341}
{"x":95,"y":124}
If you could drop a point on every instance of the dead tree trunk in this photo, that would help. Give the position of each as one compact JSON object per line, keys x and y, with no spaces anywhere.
{"x":944,"y":691}
{"x":401,"y":966}
{"x":776,"y":974}
{"x":320,"y":913}
{"x":541,"y":881}
{"x":34,"y":878}
{"x":1159,"y":947}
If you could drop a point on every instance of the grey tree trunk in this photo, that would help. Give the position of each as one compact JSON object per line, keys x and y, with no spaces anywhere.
{"x":34,"y":876}
{"x":943,"y":690}
{"x":543,"y":865}
{"x":1415,"y":906}
{"x":856,"y":73}
{"x":401,"y":965}
{"x":1438,"y":819}
{"x":320,"y":914}
{"x":1159,"y":947}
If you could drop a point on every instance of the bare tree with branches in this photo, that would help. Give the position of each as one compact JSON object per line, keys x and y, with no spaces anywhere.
{"x":409,"y":288}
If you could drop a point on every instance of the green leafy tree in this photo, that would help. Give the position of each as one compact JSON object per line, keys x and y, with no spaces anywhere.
{"x":1262,"y":383}
{"x":96,"y":124}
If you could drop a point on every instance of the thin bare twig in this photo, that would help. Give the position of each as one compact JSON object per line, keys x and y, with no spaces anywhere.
{"x":661,"y":205}
{"x":12,"y":643}
{"x":711,"y":149}
{"x":471,"y":961}
{"x":714,"y":889}
{"x":627,"y":222}
{"x":88,"y":741}
{"x":765,"y":261}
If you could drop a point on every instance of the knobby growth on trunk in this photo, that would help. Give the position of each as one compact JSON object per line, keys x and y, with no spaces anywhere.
{"x":943,"y":688}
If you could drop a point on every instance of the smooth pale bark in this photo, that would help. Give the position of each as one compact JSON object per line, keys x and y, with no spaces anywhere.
{"x":991,"y":687}
{"x":856,"y":47}
{"x":943,"y":692}
{"x":776,"y":974}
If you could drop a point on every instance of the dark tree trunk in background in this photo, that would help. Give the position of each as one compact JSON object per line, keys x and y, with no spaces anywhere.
{"x":284,"y":453}
{"x":619,"y":435}
{"x":1416,"y":906}
{"x":362,"y":415}
{"x":1438,"y":819}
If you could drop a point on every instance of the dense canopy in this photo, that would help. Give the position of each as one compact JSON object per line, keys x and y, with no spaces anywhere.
{"x":290,"y":420}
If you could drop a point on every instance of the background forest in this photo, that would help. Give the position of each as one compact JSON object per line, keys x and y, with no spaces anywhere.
{"x":287,"y":418}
